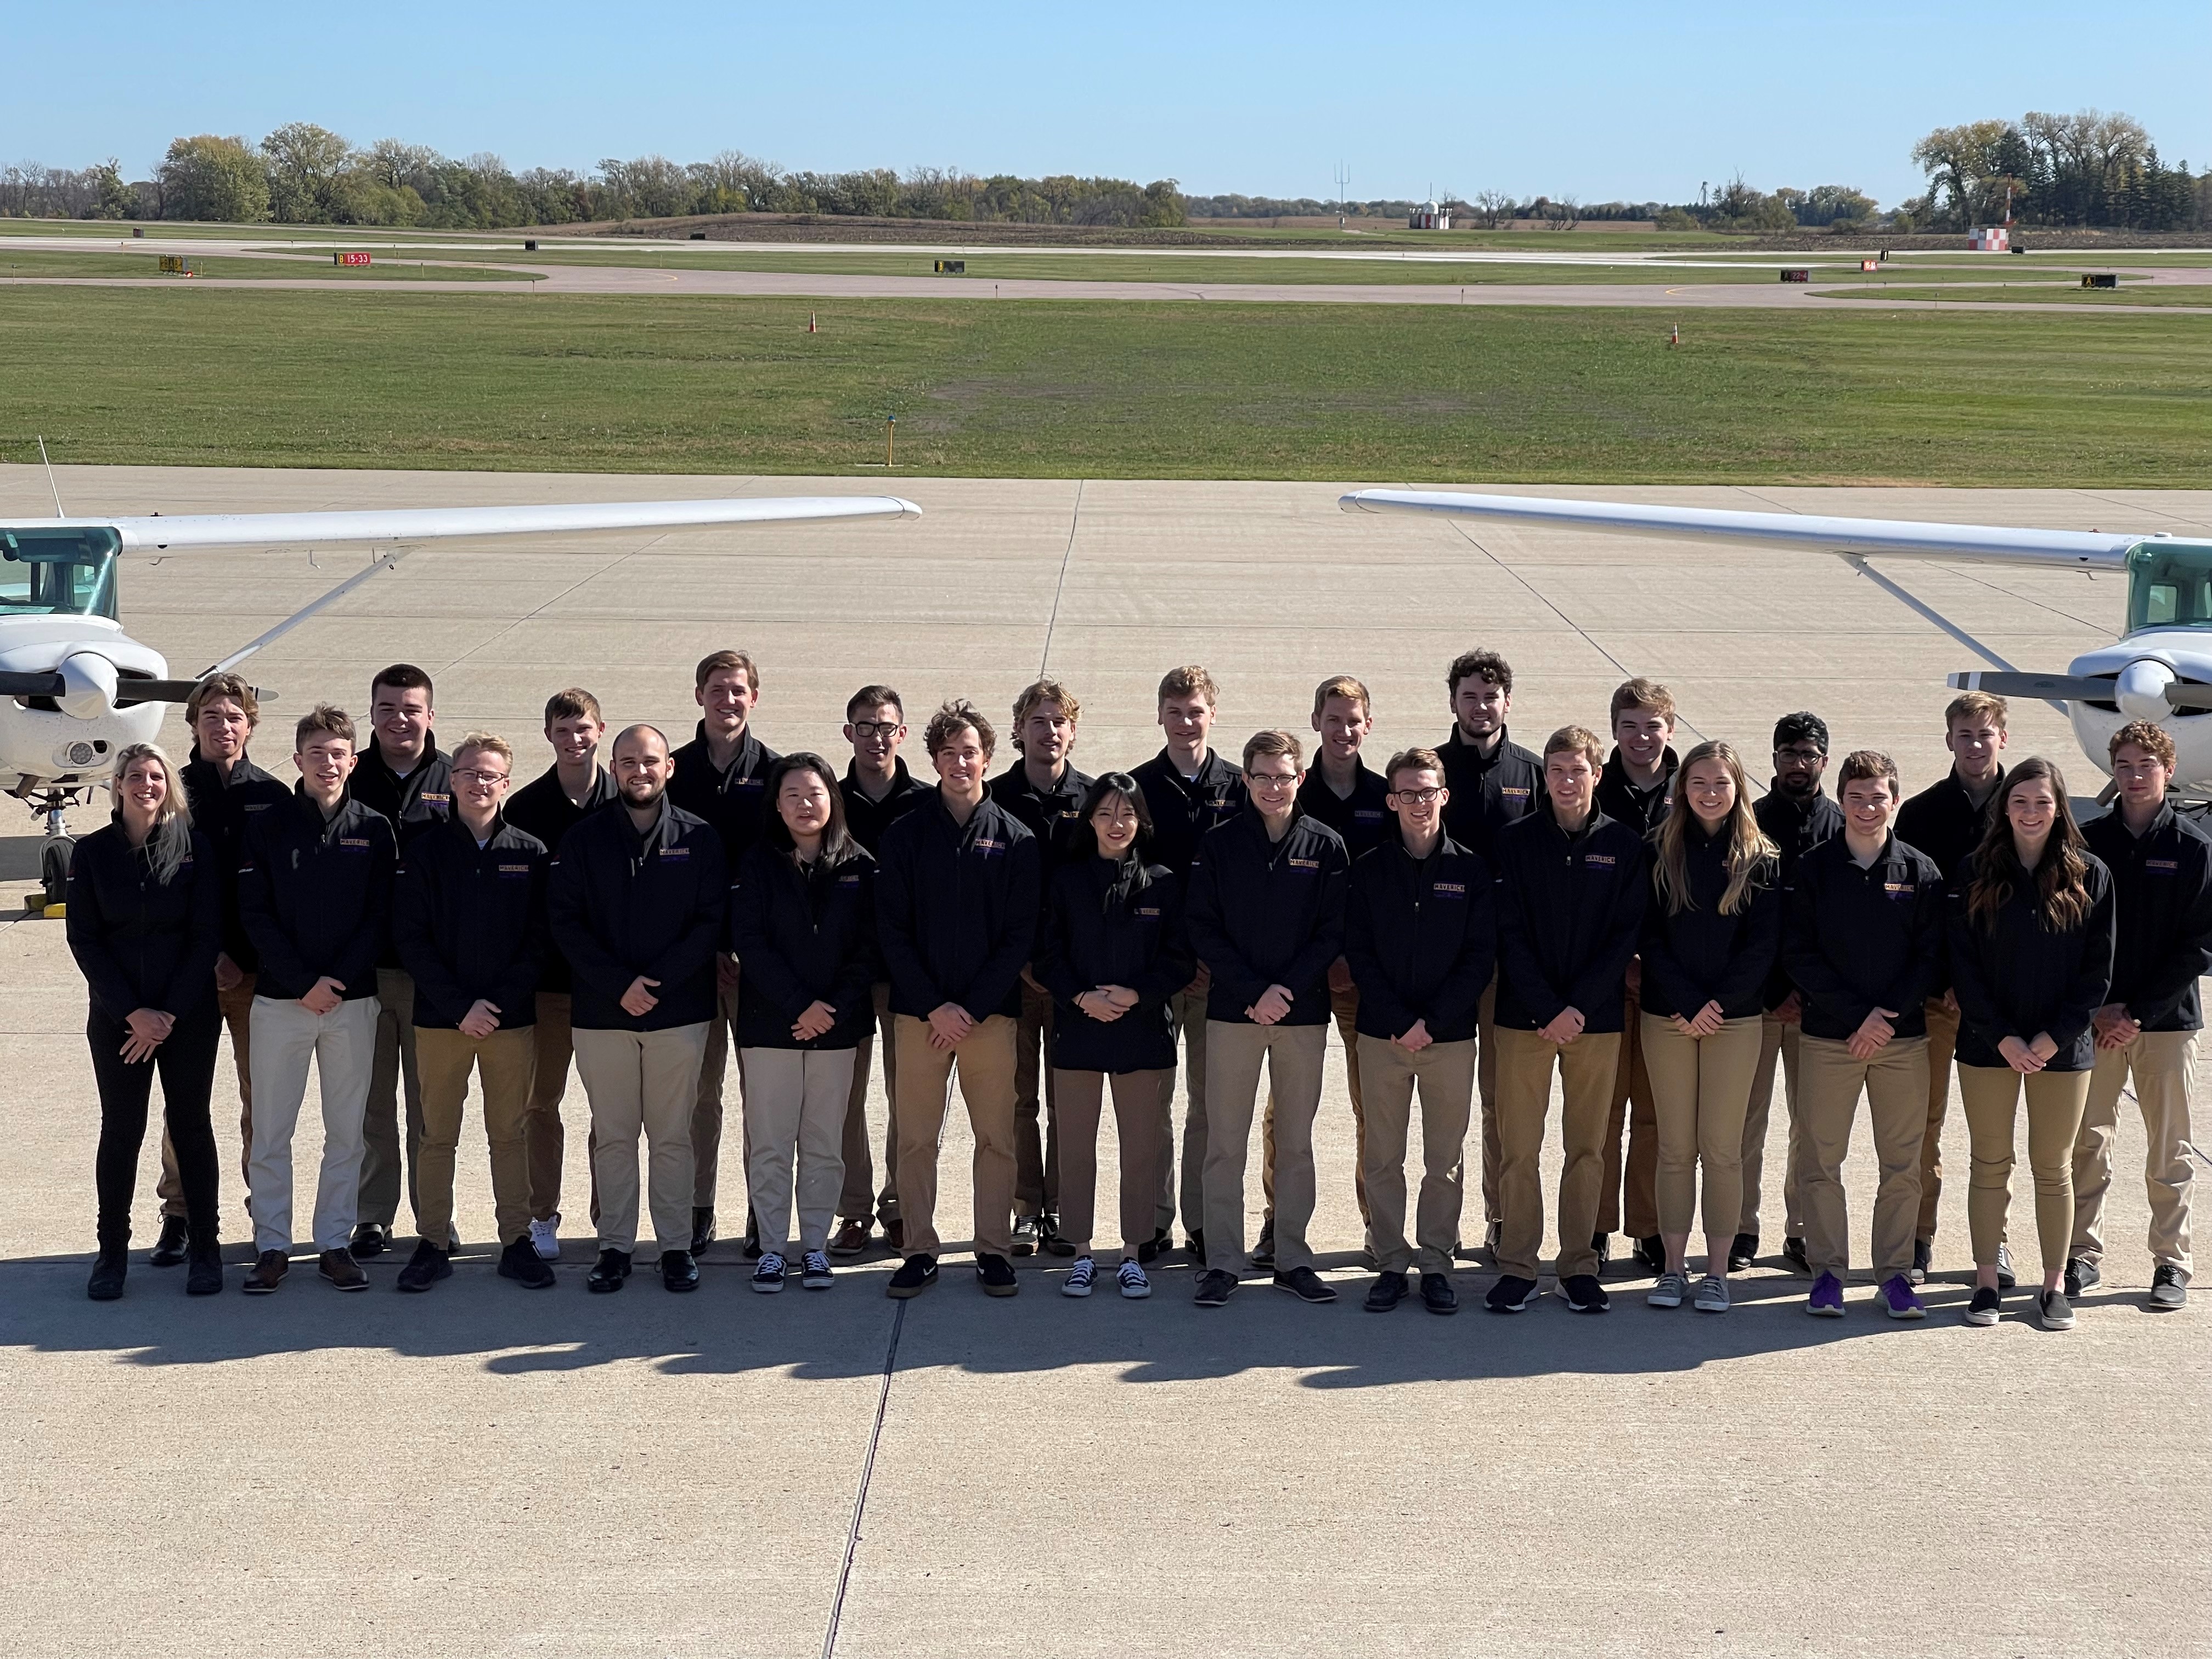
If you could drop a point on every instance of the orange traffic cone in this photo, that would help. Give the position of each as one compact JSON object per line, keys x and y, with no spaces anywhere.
{"x":811,"y":328}
{"x":1674,"y":335}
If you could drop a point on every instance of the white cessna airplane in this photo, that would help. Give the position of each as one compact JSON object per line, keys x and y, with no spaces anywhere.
{"x":74,"y":689}
{"x":2159,"y":669}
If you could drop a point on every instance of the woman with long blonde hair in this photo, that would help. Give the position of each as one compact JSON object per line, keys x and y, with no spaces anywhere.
{"x":1709,"y":938}
{"x":145,"y":924}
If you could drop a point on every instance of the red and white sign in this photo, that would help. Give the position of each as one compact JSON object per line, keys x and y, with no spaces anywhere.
{"x":349,"y":259}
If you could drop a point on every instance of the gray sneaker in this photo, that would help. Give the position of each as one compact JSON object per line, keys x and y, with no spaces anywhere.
{"x":2054,"y":1311}
{"x":1712,"y":1295}
{"x":1670,"y":1292}
{"x":2169,"y":1291}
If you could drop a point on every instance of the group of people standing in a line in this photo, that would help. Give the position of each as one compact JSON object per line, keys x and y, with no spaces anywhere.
{"x":1477,"y":918}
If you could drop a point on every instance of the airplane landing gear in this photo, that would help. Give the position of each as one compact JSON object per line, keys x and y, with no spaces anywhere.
{"x":55,"y":855}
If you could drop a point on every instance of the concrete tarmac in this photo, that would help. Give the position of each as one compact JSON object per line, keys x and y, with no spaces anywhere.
{"x":482,"y":1470}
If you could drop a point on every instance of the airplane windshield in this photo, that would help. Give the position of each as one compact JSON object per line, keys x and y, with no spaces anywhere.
{"x":62,"y":570}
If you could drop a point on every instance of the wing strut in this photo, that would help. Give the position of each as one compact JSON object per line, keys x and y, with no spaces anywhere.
{"x":298,"y":617}
{"x":1857,"y":562}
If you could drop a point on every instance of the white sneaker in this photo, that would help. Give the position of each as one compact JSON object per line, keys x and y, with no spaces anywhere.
{"x":1669,"y":1290}
{"x":1712,"y":1295}
{"x":1134,"y":1285}
{"x":1077,"y":1282}
{"x":545,"y":1237}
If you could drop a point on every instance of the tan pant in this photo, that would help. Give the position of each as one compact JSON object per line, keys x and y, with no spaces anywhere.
{"x":707,"y":1111}
{"x":1137,"y":1124}
{"x":1700,"y":1090}
{"x":795,"y":1105}
{"x":504,"y":1063}
{"x":1293,"y":1056}
{"x":544,"y":1142}
{"x":1036,"y":1148}
{"x":646,"y":1080}
{"x":1188,"y":1007}
{"x":1777,"y":1040}
{"x":1637,"y":1209}
{"x":2055,"y":1100}
{"x":1445,"y":1072}
{"x":860,"y":1200}
{"x":1587,"y":1067}
{"x":985,"y":1058}
{"x":1345,"y":1006}
{"x":1942,"y":1043}
{"x":2163,"y":1065}
{"x":1486,"y":1085}
{"x":1896,"y":1085}
{"x":395,"y":1075}
{"x":236,"y":1007}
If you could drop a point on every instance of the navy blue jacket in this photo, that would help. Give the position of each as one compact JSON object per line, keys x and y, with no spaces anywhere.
{"x":1185,"y":810}
{"x":1049,"y":815}
{"x":866,"y":820}
{"x":1855,"y":940}
{"x":2017,"y":978}
{"x":1140,"y":943}
{"x":803,"y":936}
{"x":1793,"y":827}
{"x":1361,"y":819}
{"x":2162,"y":891}
{"x":542,"y":808}
{"x":1487,"y":794}
{"x":957,"y":910}
{"x":1421,"y":937}
{"x":1639,"y":809}
{"x":221,"y":810}
{"x":733,"y":799}
{"x":469,"y":922}
{"x":411,"y":805}
{"x":622,"y":905}
{"x":1264,"y":912}
{"x":1570,"y":913}
{"x":144,"y":943}
{"x":316,"y":896}
{"x":1696,"y":955}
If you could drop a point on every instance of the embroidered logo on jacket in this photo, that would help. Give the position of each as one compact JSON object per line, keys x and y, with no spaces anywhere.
{"x":1305,"y":864}
{"x":353,"y":840}
{"x":1894,"y":888}
{"x":1602,"y":860}
{"x":1520,"y":792}
{"x":675,"y":852}
{"x":514,"y":869}
{"x":2162,"y":866}
{"x":1449,"y":889}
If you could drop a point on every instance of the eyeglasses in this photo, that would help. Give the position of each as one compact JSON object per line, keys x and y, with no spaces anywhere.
{"x":872,"y":728}
{"x":1271,"y":779}
{"x":1803,"y":757}
{"x":473,"y":775}
{"x":1416,"y":797}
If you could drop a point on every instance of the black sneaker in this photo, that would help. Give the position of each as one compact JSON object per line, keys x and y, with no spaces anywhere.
{"x":679,"y":1270}
{"x":1195,"y":1246}
{"x":203,"y":1269}
{"x":369,"y":1239}
{"x":608,"y":1272}
{"x":1305,"y":1284}
{"x":1602,"y":1243}
{"x":702,"y":1228}
{"x":1985,"y":1306}
{"x":1510,"y":1295}
{"x":2080,"y":1274}
{"x":1437,"y":1295}
{"x":520,"y":1262}
{"x":915,"y":1274}
{"x":1049,"y":1236}
{"x":1584,"y":1294}
{"x":2169,"y":1291}
{"x":1743,"y":1252}
{"x":1651,"y":1255}
{"x":996,"y":1275}
{"x":1263,"y":1253}
{"x":1388,"y":1291}
{"x":425,"y":1267}
{"x":169,"y":1249}
{"x":1216,"y":1288}
{"x":2005,"y":1278}
{"x":2053,"y":1311}
{"x":1793,"y":1252}
{"x":1923,"y":1257}
{"x":1028,"y":1229}
{"x":108,"y":1269}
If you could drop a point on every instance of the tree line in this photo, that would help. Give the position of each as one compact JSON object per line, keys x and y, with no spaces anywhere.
{"x":2090,"y":170}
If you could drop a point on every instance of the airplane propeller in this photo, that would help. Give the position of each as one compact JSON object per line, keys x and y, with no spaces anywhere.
{"x":128,"y":690}
{"x":2065,"y":688}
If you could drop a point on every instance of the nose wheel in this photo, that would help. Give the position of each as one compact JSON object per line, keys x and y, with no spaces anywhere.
{"x":54,"y":856}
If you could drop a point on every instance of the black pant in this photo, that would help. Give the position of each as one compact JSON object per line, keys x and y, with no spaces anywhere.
{"x":185,"y":1059}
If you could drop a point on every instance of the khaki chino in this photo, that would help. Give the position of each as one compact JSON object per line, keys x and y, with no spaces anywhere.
{"x":1235,"y":1055}
{"x":1136,"y":1124}
{"x":1586,"y":1067}
{"x":1778,"y":1040}
{"x":236,"y":1007}
{"x":1942,"y":1043}
{"x":707,"y":1110}
{"x":396,"y":1075}
{"x":505,"y":1063}
{"x":1991,"y":1096}
{"x":646,"y":1080}
{"x":860,"y":1198}
{"x":1634,"y":1209}
{"x":1700,"y":1092}
{"x":545,"y":1141}
{"x":985,"y":1060}
{"x":796,"y":1109}
{"x":1444,"y":1072}
{"x":1188,"y":1006}
{"x":2163,"y":1065}
{"x":1895,"y":1082}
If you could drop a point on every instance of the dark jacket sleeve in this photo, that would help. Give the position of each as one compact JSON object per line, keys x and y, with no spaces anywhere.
{"x":1518,"y":961}
{"x":355,"y":967}
{"x":203,"y":942}
{"x":1311,"y":964}
{"x":257,"y":907}
{"x":993,"y":982}
{"x":1666,"y":979}
{"x":415,"y":894}
{"x":854,"y":986}
{"x":85,"y":923}
{"x":1363,"y":953}
{"x":1459,"y":996}
{"x":2187,"y":957}
{"x":1970,"y":977}
{"x":1924,"y":971}
{"x":910,"y":977}
{"x":1054,"y":968}
{"x":1808,"y":967}
{"x":1608,"y":964}
{"x":515,"y":995}
{"x":567,"y":910}
{"x":1209,"y":935}
{"x":2093,"y":974}
{"x":693,"y":950}
{"x":1173,"y":967}
{"x":1757,"y":940}
{"x":752,"y":901}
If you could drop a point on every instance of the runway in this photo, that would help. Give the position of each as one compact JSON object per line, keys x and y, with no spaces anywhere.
{"x":487,"y":1472}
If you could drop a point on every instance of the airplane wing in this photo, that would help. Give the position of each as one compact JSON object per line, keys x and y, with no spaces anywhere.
{"x":2080,"y":549}
{"x":202,"y":530}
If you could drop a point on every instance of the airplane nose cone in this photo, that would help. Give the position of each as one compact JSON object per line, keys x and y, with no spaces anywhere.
{"x":88,"y":682}
{"x":2140,"y":689}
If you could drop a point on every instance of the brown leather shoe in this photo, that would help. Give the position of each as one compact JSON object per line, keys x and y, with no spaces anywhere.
{"x":268,"y":1270}
{"x":895,"y":1236}
{"x":851,"y":1239}
{"x":342,"y":1270}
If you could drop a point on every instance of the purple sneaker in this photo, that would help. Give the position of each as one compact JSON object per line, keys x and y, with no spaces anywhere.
{"x":1827,"y":1301}
{"x":1899,"y":1301}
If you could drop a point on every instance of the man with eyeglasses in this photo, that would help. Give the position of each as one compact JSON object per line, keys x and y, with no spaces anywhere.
{"x":878,"y":792}
{"x":469,"y":922}
{"x":1796,"y":816}
{"x":1265,"y":916}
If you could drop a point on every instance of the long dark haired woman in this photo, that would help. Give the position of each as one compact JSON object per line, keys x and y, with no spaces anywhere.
{"x":145,"y":924}
{"x":2031,"y":936}
{"x":1112,"y":953}
{"x":1710,"y":939}
{"x":802,"y":925}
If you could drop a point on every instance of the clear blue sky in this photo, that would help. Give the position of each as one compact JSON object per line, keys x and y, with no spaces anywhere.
{"x":1595,"y":100}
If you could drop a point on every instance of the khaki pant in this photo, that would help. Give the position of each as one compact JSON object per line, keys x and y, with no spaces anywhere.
{"x":1445,"y":1072}
{"x":1037,"y":1151}
{"x":504,"y":1062}
{"x":1777,"y":1040}
{"x":707,"y":1111}
{"x":1896,"y":1085}
{"x":2162,"y":1065}
{"x":1345,"y":1006}
{"x":1188,"y":1007}
{"x":544,"y":1142}
{"x":1942,"y":1042}
{"x":236,"y":1007}
{"x":1235,"y":1055}
{"x":1636,"y":1210}
{"x":342,"y":1044}
{"x":1486,"y":1085}
{"x":795,"y":1113}
{"x":396,"y":1073}
{"x":1136,"y":1125}
{"x":1587,"y":1067}
{"x":860,"y":1200}
{"x":1700,"y":1090}
{"x":2055,"y":1100}
{"x":985,"y":1060}
{"x":646,"y":1080}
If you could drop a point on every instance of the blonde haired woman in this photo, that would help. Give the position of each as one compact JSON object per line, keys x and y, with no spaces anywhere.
{"x":145,"y":924}
{"x":1710,"y":939}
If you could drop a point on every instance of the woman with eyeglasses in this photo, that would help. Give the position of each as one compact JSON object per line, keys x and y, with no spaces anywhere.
{"x":2030,"y":942}
{"x":1111,"y":951}
{"x":145,"y":925}
{"x":802,"y":925}
{"x":1710,"y":937}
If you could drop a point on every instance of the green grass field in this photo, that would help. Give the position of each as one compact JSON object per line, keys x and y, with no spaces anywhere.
{"x":32,"y":262}
{"x":232,"y":377}
{"x":2196,"y":295}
